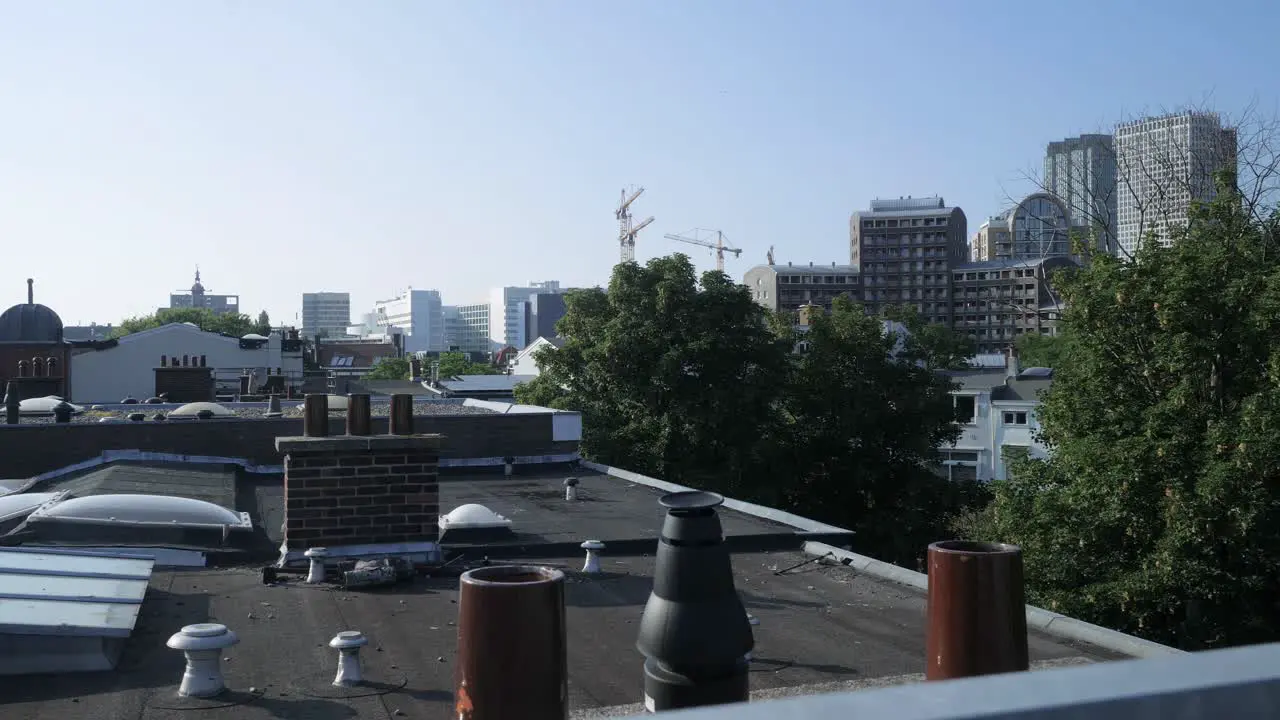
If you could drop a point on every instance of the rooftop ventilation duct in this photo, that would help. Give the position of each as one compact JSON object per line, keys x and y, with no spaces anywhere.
{"x":348,"y":644}
{"x":472,"y":523}
{"x":593,"y":548}
{"x":202,"y":644}
{"x":976,"y":622}
{"x":512,"y":652}
{"x":694,"y":632}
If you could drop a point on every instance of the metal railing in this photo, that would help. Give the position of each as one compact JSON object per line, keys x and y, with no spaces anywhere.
{"x":1238,"y":683}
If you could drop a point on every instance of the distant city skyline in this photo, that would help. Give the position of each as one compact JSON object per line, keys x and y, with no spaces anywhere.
{"x":334,"y":148}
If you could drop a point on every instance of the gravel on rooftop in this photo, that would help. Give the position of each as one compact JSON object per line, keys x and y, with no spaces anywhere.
{"x":289,"y":408}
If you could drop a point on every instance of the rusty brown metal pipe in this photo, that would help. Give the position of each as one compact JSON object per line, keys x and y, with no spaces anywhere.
{"x":977,"y":618}
{"x":315,"y":415}
{"x":512,"y":653}
{"x":401,"y":415}
{"x":358,"y":415}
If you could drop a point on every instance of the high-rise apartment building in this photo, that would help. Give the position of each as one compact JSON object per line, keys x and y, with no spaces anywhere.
{"x":992,"y":234}
{"x":466,"y":327}
{"x":508,"y":307}
{"x":1163,"y":165}
{"x":790,"y":287}
{"x":325,"y":314}
{"x":419,"y":314}
{"x":905,"y":250}
{"x":1081,"y":172}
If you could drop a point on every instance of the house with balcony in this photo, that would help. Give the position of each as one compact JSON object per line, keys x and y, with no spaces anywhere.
{"x":999,"y":400}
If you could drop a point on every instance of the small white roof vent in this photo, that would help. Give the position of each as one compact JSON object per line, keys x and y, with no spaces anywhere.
{"x":472,"y":516}
{"x":193,"y":410}
{"x":142,"y":510}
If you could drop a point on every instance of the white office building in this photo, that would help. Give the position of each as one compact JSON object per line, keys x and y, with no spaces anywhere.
{"x":1164,"y":164}
{"x":325,"y":313}
{"x":466,"y":327}
{"x":419,"y":314}
{"x":508,"y":308}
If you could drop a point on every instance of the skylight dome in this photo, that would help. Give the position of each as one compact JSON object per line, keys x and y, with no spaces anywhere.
{"x":193,"y":410}
{"x":472,"y":515}
{"x":44,"y":406}
{"x":142,"y":510}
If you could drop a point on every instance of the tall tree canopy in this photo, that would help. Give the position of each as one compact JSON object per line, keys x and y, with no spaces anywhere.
{"x":1158,"y":511}
{"x":866,"y":411}
{"x":674,"y":378}
{"x":690,"y":382}
{"x":234,"y":324}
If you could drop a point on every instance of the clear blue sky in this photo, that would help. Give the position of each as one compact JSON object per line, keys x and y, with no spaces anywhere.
{"x":365,"y":146}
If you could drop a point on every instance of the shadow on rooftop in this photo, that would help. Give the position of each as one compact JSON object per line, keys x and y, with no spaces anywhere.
{"x":773,"y":665}
{"x":310,"y":708}
{"x":752,"y":600}
{"x":606,"y":589}
{"x":144,"y":663}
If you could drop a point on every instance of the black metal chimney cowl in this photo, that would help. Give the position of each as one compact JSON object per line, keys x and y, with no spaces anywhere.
{"x":694,"y":633}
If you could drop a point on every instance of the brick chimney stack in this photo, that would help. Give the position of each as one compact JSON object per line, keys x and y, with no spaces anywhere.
{"x":351,"y":490}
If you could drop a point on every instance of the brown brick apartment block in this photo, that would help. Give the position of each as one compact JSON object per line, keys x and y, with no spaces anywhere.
{"x":352,"y":490}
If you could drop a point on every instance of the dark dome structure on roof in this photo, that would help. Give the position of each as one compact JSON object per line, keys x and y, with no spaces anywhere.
{"x":30,"y":322}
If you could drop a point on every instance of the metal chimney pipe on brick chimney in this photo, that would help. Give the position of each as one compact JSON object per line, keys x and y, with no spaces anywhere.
{"x":401,"y":415}
{"x":11,"y":403}
{"x":512,"y":652}
{"x":315,"y":415}
{"x":694,"y":633}
{"x":359,"y":420}
{"x":977,"y":620}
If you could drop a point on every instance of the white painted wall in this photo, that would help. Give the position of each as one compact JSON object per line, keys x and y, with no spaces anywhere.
{"x":524,"y":363}
{"x":100,"y":376}
{"x":988,"y":433}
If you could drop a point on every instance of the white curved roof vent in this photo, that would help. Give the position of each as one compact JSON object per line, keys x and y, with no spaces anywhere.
{"x":44,"y":406}
{"x":191,"y":324}
{"x":336,"y":402}
{"x":472,"y":516}
{"x":154,"y":510}
{"x":254,"y":336}
{"x":193,"y":410}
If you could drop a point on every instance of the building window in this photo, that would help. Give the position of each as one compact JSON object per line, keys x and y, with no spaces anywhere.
{"x":965,"y":409}
{"x":1015,"y":418}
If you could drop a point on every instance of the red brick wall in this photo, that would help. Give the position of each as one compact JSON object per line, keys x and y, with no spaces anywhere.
{"x":11,"y":354}
{"x":360,"y":490}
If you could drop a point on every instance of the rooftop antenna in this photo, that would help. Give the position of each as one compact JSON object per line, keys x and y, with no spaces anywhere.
{"x":626,"y":230}
{"x":720,"y":245}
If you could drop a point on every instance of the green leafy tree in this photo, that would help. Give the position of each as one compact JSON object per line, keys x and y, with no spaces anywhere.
{"x":263,"y":326}
{"x":453,"y":364}
{"x":1158,"y":511}
{"x":1037,"y":350}
{"x":866,"y":411}
{"x":234,"y":324}
{"x":389,"y":369}
{"x":675,"y":378}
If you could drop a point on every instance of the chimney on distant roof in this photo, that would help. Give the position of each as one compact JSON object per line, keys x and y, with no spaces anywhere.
{"x":1012,"y":368}
{"x":31,"y":293}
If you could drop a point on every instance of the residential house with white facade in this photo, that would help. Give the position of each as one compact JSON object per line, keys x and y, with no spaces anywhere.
{"x":1000,"y":403}
{"x":126,"y":366}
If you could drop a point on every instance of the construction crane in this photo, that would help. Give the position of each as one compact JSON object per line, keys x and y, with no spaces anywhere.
{"x":720,"y":245}
{"x":626,"y":230}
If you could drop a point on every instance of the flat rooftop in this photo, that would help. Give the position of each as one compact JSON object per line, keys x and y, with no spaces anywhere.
{"x":822,"y":627}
